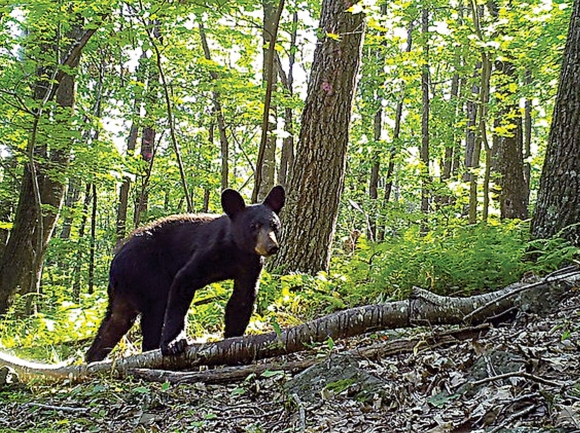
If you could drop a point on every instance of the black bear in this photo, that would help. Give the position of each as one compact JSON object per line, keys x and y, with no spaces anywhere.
{"x":157,"y":271}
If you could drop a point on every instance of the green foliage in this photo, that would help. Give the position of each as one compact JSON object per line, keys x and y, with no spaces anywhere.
{"x":118,"y":86}
{"x":550,"y":254}
{"x":54,"y":334}
{"x":447,"y":260}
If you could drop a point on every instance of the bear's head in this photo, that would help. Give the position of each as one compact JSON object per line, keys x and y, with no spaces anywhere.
{"x":255,"y":228}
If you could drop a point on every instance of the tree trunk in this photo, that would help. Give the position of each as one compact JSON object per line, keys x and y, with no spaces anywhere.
{"x":475,"y":140}
{"x":11,"y":183}
{"x":317,"y":181}
{"x":425,"y":161}
{"x":390,"y":174}
{"x":72,"y":197}
{"x":156,"y":39}
{"x":482,"y":134}
{"x":206,"y":195}
{"x":528,"y":138}
{"x":21,"y":263}
{"x":264,"y":175}
{"x":514,"y":192}
{"x":218,"y":113}
{"x":429,"y":340}
{"x":147,"y":147}
{"x":396,"y":131}
{"x":287,"y":157}
{"x":452,"y":158}
{"x":143,"y":194}
{"x":375,"y":175}
{"x":513,"y":188}
{"x":77,"y":271}
{"x":389,"y":177}
{"x":92,"y":247}
{"x":451,"y":149}
{"x":121,"y":223}
{"x":558,"y":208}
{"x":148,"y":131}
{"x":471,"y":152}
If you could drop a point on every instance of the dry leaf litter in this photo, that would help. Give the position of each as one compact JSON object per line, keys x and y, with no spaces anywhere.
{"x":522,"y":377}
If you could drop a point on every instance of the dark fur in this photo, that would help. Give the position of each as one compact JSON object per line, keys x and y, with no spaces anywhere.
{"x":158,"y":270}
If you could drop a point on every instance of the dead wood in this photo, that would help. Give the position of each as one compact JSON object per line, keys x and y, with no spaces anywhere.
{"x":422,"y":308}
{"x":373,"y":352}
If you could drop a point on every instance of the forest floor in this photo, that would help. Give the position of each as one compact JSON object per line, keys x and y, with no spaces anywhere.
{"x":522,"y":376}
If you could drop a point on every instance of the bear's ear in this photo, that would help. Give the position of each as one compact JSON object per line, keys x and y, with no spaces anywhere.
{"x":232,"y":202}
{"x":275,"y":199}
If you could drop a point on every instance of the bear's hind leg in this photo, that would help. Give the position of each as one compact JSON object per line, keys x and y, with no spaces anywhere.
{"x":120,"y":316}
{"x":151,"y":326}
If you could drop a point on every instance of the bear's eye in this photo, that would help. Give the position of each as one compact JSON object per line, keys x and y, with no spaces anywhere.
{"x":255,"y":227}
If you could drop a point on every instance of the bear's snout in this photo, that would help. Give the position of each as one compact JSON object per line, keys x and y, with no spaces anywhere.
{"x":267,"y":244}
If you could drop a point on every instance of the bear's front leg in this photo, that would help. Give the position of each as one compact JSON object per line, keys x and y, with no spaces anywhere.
{"x":240,"y":305}
{"x":173,"y":339}
{"x":183,"y":288}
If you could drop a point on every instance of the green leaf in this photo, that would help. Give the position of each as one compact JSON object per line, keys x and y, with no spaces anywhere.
{"x":141,"y":390}
{"x":272,"y":373}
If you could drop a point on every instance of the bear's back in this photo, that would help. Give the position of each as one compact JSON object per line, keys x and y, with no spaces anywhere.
{"x":166,"y":244}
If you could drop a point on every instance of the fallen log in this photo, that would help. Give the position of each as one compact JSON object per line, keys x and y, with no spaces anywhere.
{"x":422,"y":308}
{"x":373,"y":352}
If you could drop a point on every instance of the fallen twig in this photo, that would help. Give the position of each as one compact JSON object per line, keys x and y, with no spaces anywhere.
{"x":57,"y":408}
{"x":513,"y":417}
{"x":301,"y":412}
{"x":522,"y":374}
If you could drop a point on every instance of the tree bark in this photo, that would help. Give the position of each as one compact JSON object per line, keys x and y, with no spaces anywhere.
{"x":148,"y":134}
{"x":428,"y":341}
{"x":472,"y":152}
{"x":425,"y":160}
{"x":21,"y":263}
{"x":143,"y":193}
{"x":287,"y":157}
{"x":93,"y":241}
{"x":513,"y":188}
{"x":558,"y":207}
{"x":72,"y":197}
{"x":121,"y":223}
{"x":317,"y":181}
{"x":218,"y":113}
{"x":77,"y":277}
{"x":264,"y":175}
{"x":389,"y":177}
{"x":513,"y":196}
